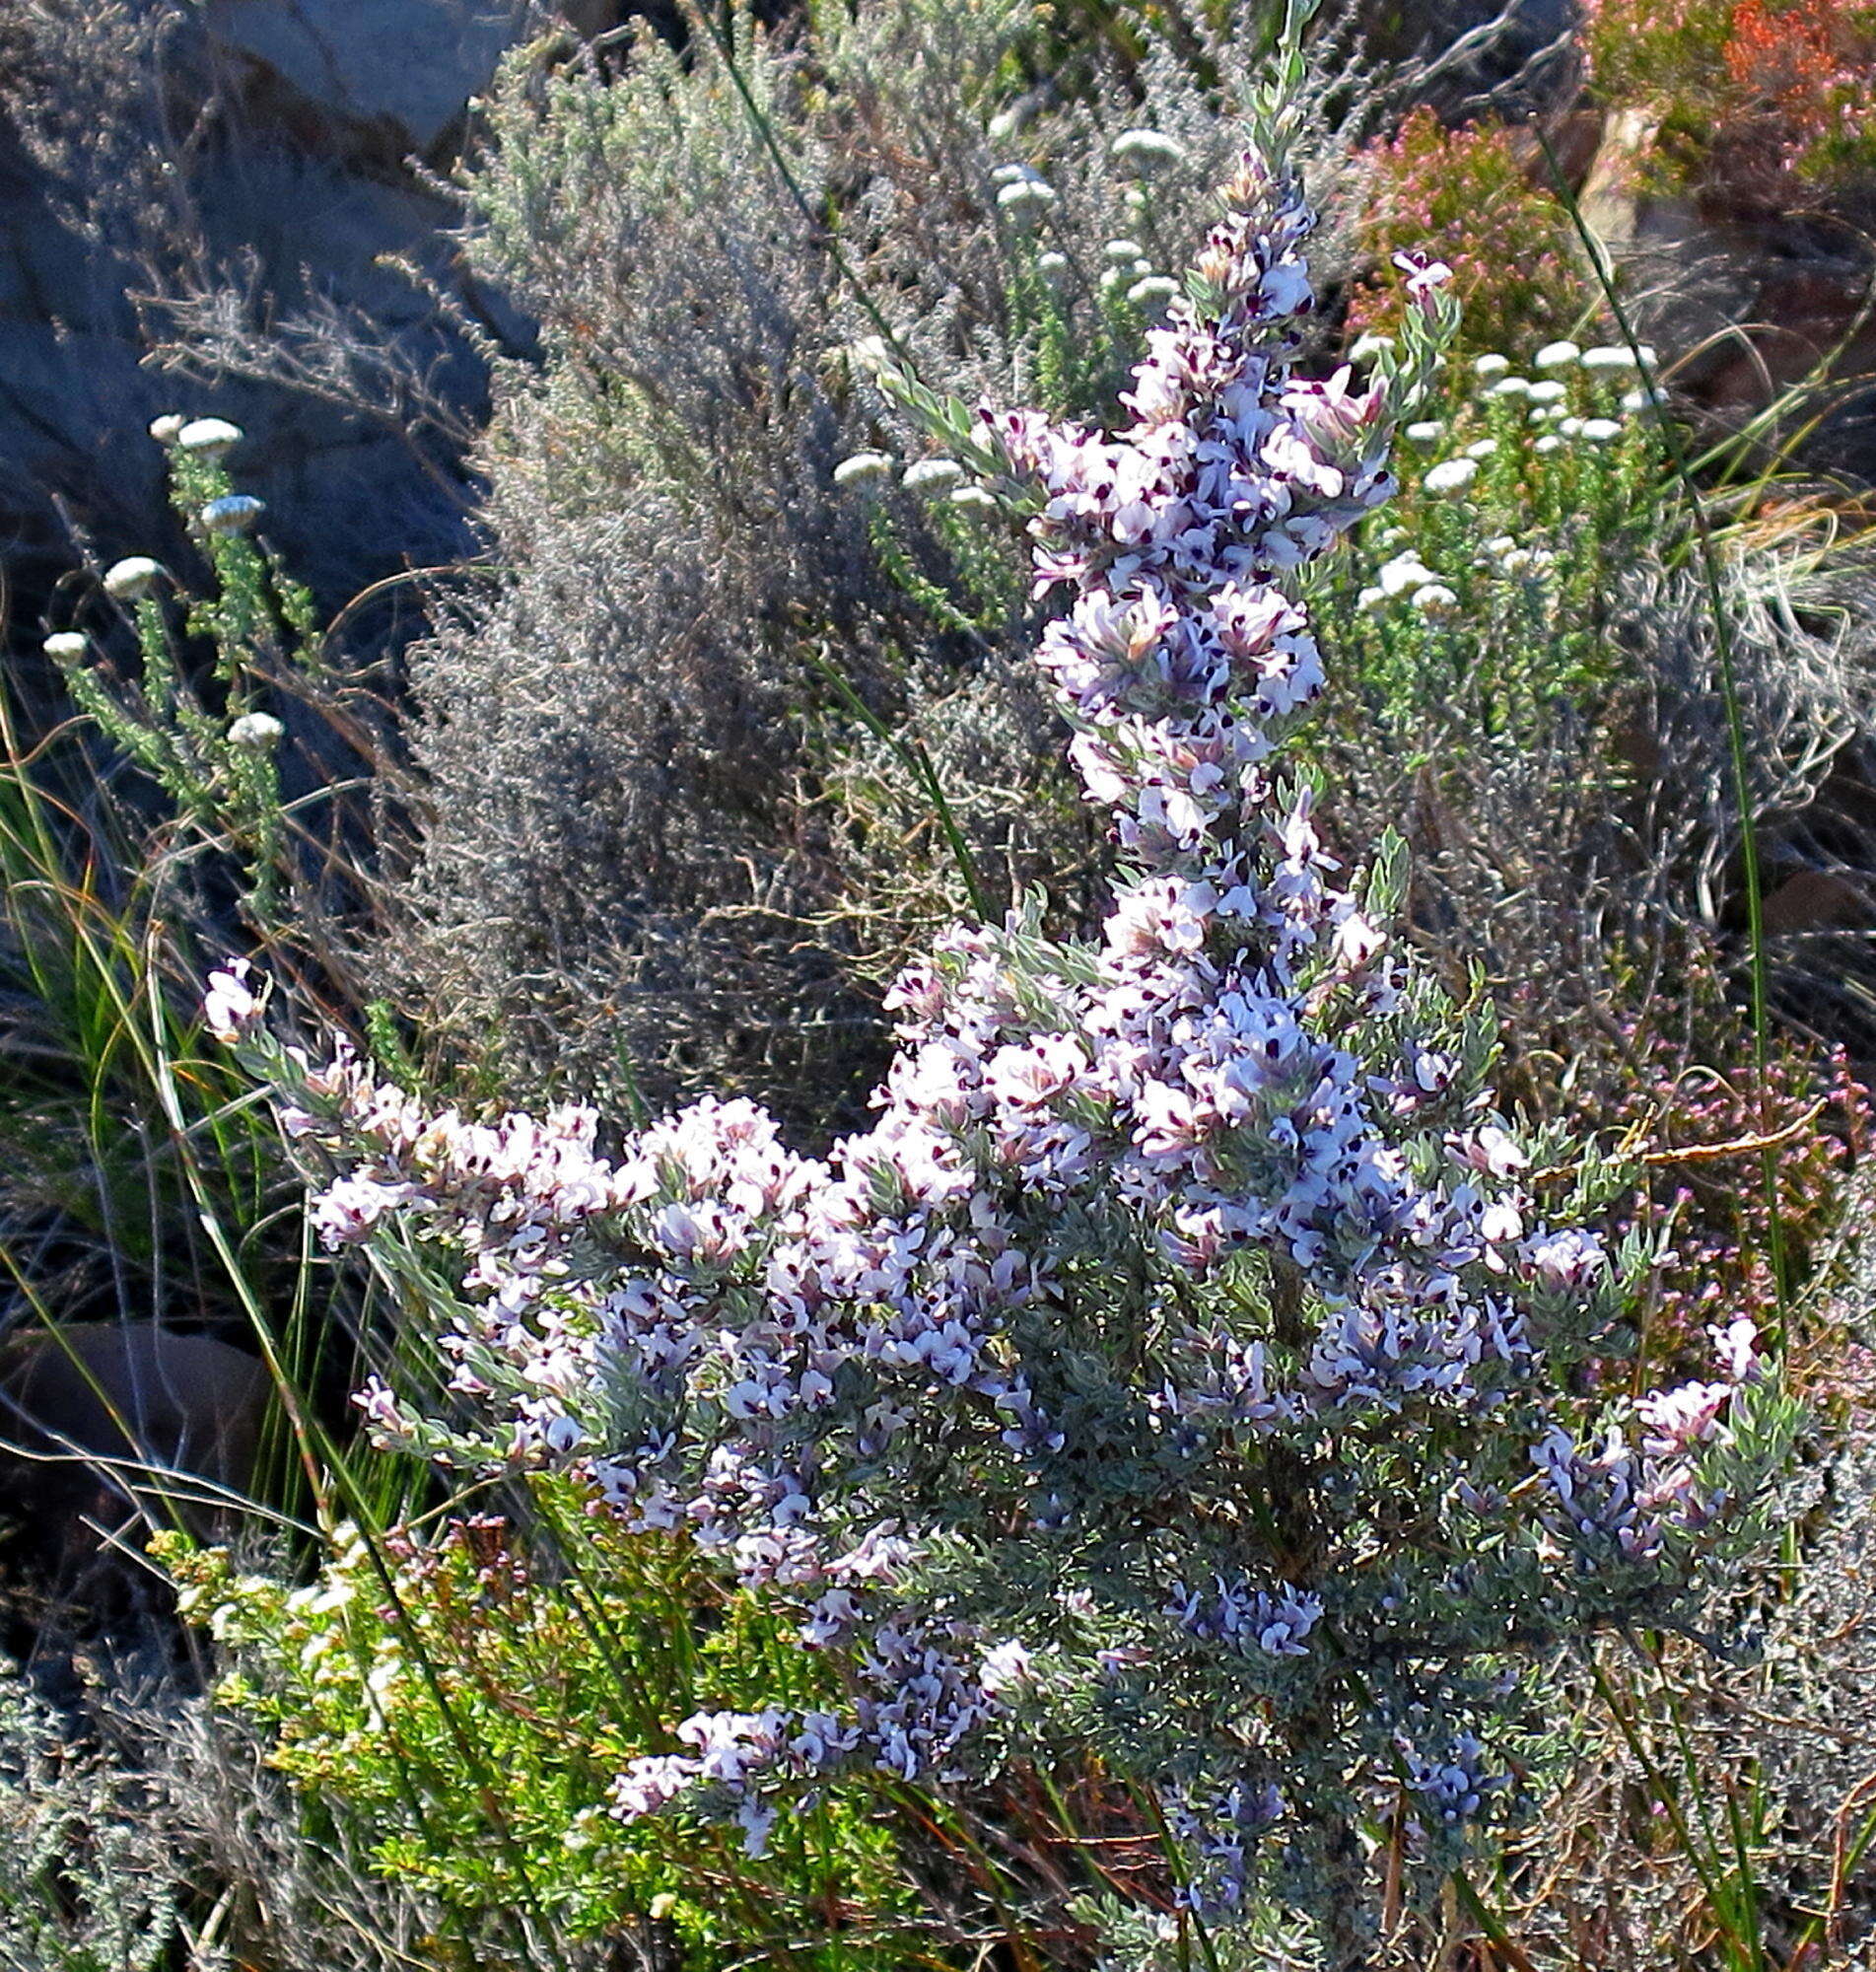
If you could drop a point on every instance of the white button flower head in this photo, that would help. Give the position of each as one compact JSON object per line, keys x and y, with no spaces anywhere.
{"x":973,"y":499}
{"x":1491,"y":366}
{"x":864,"y":468}
{"x":1146,"y":150}
{"x":133,"y":577}
{"x":1435,"y":601}
{"x":1052,"y":266}
{"x":1371,"y":602}
{"x":1636,"y":400}
{"x":256,"y":732}
{"x":1599,"y":430}
{"x":67,"y":647}
{"x":1549,"y":391}
{"x":231,"y":514}
{"x":166,"y":429}
{"x":1608,"y":357}
{"x":1122,"y":252}
{"x":1155,"y":292}
{"x":1427,"y":432}
{"x":1557,"y":356}
{"x":1549,"y":442}
{"x":1451,"y":476}
{"x":209,"y":438}
{"x":932,"y":475}
{"x":1512,"y":386}
{"x":1482,"y":447}
{"x":1026,"y":198}
{"x":1403,"y":573}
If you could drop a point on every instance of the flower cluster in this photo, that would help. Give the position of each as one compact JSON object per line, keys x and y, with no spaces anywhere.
{"x":1173,"y":1352}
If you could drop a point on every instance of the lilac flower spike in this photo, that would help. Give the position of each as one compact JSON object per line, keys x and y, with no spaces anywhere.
{"x":1143,"y":1224}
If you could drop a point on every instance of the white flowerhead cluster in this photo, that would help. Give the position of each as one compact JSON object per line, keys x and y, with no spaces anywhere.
{"x":1146,"y":150}
{"x":864,"y":468}
{"x":231,"y":514}
{"x":133,"y":579}
{"x":256,"y":732}
{"x":209,"y":438}
{"x":1182,"y":1271}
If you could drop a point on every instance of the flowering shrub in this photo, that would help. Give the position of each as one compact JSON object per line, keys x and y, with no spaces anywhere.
{"x":208,"y":743}
{"x":1180,"y":1370}
{"x":1762,"y":90}
{"x":1463,"y":194}
{"x":1484,"y":603}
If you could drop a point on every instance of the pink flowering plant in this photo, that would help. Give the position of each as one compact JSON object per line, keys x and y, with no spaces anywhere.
{"x":1184,"y":1372}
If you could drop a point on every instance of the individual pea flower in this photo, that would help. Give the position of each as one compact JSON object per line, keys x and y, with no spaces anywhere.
{"x":1491,"y":366}
{"x":1435,"y":601}
{"x":209,"y":438}
{"x":229,"y":1007}
{"x":166,"y":429}
{"x":133,"y":579}
{"x":1146,"y":150}
{"x":1451,"y":476}
{"x":876,"y":359}
{"x":932,"y":475}
{"x":1555,"y":356}
{"x":1152,"y":292}
{"x":67,"y":647}
{"x":1599,"y":430}
{"x":231,"y":514}
{"x":1427,"y":432}
{"x":1365,"y":348}
{"x":864,"y":468}
{"x":256,"y":732}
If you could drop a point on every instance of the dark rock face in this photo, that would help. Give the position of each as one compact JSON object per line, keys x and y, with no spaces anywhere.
{"x":226,"y":209}
{"x":93,"y":1421}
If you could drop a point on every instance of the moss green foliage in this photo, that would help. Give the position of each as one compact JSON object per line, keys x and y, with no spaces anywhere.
{"x":466,"y":1716}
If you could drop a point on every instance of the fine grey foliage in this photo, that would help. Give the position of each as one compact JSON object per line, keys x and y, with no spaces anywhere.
{"x":661,"y":843}
{"x":206,"y":234}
